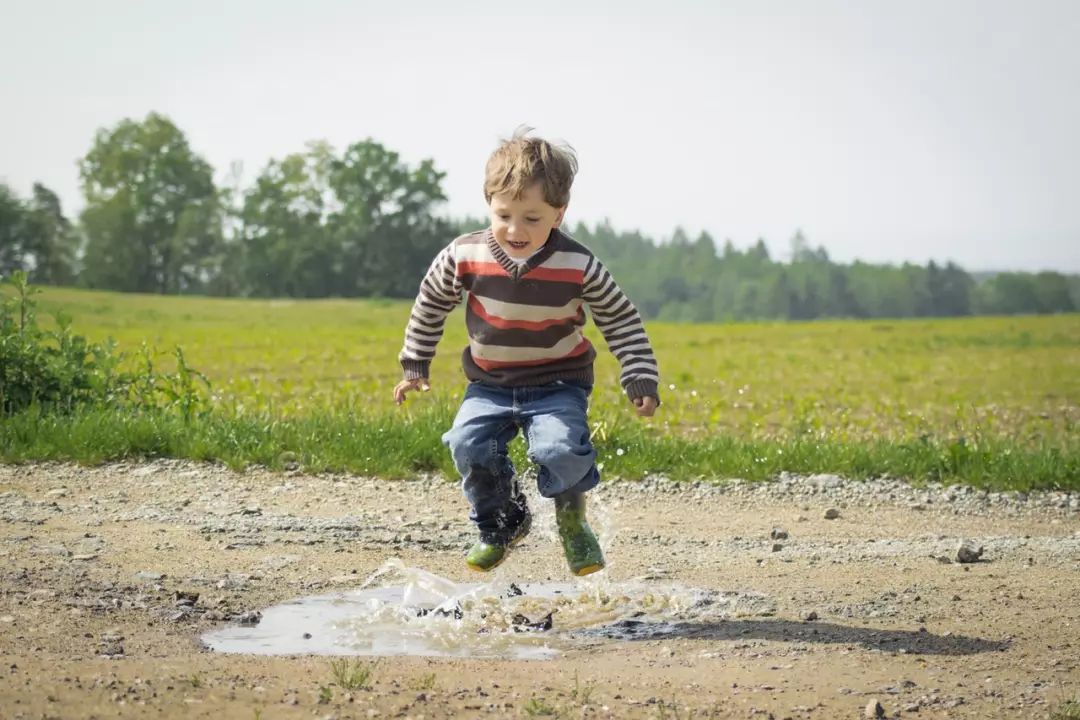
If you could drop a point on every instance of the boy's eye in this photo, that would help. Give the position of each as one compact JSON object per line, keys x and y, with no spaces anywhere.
{"x":533,"y":219}
{"x":504,"y":217}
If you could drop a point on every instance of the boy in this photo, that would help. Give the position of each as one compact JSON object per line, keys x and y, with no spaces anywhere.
{"x":529,"y":364}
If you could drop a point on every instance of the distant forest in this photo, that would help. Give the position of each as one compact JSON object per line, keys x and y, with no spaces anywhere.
{"x":363,"y":223}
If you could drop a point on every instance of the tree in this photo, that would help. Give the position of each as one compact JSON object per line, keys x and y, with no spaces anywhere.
{"x":384,"y":226}
{"x":760,"y":252}
{"x":1009,"y":294}
{"x":13,"y":220}
{"x":952,"y":291}
{"x":800,"y":248}
{"x":1052,"y":293}
{"x":285,"y":247}
{"x":360,"y":224}
{"x":50,"y":239}
{"x":153,"y":217}
{"x":922,"y":302}
{"x":779,"y":299}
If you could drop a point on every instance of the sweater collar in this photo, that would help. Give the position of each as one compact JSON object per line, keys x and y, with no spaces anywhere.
{"x":518,"y":270}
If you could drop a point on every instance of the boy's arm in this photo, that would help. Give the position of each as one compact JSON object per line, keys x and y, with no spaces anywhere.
{"x":440,"y":292}
{"x":620,"y":324}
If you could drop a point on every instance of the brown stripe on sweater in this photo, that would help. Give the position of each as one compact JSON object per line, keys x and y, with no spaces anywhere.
{"x":484,"y":333}
{"x":524,"y":291}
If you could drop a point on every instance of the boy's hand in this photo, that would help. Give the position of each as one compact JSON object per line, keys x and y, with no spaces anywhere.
{"x":406,"y":386}
{"x":646,"y":406}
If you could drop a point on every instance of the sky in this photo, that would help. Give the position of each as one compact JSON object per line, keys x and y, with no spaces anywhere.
{"x":886,"y":131}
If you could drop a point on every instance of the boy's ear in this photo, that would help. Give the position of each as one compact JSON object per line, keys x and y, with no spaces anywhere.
{"x":560,"y":216}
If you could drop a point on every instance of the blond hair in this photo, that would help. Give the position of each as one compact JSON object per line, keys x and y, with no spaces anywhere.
{"x":522,"y":161}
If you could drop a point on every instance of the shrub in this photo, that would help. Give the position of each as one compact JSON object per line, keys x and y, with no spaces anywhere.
{"x":58,"y":370}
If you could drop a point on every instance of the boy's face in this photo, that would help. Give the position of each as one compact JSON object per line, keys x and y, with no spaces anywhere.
{"x":521,"y":226}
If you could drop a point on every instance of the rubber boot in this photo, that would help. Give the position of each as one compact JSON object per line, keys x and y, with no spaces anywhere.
{"x":485,"y":556}
{"x":583,"y":553}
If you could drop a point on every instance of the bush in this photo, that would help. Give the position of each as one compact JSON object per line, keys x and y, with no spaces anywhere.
{"x":57,"y":370}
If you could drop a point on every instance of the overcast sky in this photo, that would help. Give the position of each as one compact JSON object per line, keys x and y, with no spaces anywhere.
{"x":907,"y":130}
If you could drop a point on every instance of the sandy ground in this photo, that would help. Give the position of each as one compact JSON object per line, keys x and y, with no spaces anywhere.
{"x":111,"y":575}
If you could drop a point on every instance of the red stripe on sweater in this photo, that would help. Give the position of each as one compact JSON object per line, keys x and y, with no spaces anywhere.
{"x":478,"y":267}
{"x":568,"y":275}
{"x":504,"y":324}
{"x":490,"y":365}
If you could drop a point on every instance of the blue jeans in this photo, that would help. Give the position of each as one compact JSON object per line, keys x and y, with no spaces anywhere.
{"x":554,"y":421}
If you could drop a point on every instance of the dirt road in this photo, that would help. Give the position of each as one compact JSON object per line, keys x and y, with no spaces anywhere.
{"x":110,"y":576}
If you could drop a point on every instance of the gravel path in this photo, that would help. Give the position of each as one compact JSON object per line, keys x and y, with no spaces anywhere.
{"x":929,"y":601}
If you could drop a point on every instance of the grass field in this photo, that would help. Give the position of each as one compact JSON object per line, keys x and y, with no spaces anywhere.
{"x":991,"y":401}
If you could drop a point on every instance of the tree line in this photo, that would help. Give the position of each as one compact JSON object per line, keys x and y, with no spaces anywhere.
{"x":692,"y":280}
{"x":363,"y":223}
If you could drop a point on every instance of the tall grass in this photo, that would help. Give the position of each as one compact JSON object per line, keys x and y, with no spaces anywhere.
{"x":400,"y":446}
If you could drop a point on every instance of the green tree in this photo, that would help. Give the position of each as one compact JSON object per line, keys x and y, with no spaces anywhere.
{"x":953,"y":291}
{"x":153,"y":217}
{"x":779,"y":299}
{"x":361,"y":224}
{"x":13,"y":223}
{"x":759,"y":254}
{"x":50,"y":238}
{"x":285,"y":248}
{"x":384,"y":225}
{"x":1009,"y":294}
{"x":842,"y":301}
{"x":1052,"y":293}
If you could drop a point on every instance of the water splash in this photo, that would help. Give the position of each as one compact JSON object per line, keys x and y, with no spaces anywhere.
{"x":430,"y":615}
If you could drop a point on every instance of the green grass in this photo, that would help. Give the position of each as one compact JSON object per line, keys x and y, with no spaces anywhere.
{"x":988,"y":401}
{"x":539,"y":707}
{"x":352,"y":674}
{"x":1068,"y":710}
{"x":396,"y":446}
{"x":426,"y":681}
{"x":581,"y":693}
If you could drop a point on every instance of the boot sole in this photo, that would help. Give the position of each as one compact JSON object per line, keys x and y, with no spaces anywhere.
{"x":477,"y":568}
{"x":589,"y":569}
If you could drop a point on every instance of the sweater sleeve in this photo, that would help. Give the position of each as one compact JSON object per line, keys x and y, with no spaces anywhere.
{"x":620,"y":324}
{"x":440,"y":292}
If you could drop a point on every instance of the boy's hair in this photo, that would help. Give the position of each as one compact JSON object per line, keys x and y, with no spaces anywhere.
{"x":521,"y":161}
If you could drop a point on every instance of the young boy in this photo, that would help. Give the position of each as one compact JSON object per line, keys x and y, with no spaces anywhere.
{"x":529,"y":364}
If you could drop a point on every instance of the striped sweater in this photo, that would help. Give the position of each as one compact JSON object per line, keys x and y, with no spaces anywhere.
{"x":525,"y":320}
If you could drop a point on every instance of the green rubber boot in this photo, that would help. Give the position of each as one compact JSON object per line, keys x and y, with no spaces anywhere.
{"x":486,"y":556}
{"x":583,"y":552}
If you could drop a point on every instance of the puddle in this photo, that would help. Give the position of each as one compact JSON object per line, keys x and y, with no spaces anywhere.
{"x":429,"y":615}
